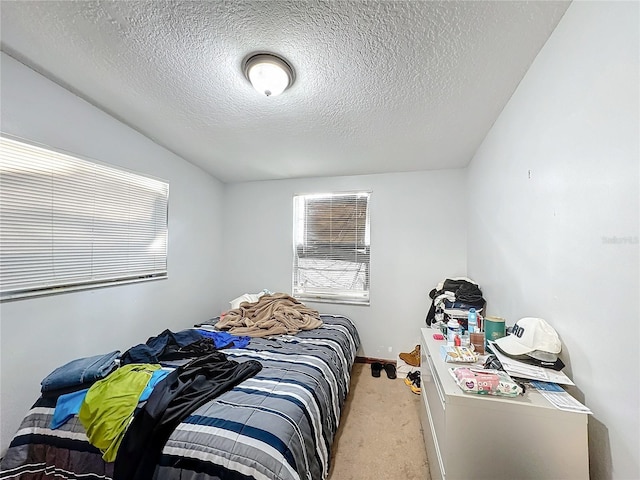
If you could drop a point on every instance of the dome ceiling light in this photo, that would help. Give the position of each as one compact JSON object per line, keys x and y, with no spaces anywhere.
{"x":268,"y":73}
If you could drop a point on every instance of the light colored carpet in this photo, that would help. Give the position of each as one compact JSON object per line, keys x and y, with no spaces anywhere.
{"x":379,"y":436}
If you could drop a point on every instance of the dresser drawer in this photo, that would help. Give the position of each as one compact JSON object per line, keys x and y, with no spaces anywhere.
{"x":434,"y":399}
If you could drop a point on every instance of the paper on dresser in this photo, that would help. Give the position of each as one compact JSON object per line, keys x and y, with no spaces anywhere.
{"x":532,"y":372}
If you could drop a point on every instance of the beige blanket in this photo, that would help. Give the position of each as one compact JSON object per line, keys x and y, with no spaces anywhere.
{"x":271,"y":315}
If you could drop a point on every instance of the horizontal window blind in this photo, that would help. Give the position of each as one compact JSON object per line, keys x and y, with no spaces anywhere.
{"x":68,"y":223}
{"x":331,"y":247}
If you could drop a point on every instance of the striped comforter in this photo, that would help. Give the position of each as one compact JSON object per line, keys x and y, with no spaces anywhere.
{"x":278,"y":425}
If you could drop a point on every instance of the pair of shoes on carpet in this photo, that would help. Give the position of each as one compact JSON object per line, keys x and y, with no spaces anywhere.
{"x":377,"y":367}
{"x":412,"y":358}
{"x":413,"y":381}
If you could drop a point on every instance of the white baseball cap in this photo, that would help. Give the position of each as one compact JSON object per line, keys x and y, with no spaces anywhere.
{"x":529,"y":334}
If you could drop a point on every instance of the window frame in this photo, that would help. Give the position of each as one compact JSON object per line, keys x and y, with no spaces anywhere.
{"x":329,"y":295}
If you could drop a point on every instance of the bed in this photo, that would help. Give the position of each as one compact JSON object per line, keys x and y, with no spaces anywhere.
{"x":277,"y":425}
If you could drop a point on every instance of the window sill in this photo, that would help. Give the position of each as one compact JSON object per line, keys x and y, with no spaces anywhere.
{"x":336,"y":301}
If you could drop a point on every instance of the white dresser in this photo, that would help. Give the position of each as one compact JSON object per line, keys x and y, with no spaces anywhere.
{"x":470,"y":437}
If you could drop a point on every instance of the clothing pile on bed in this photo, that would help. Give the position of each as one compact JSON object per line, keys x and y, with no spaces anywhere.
{"x":105,"y":392}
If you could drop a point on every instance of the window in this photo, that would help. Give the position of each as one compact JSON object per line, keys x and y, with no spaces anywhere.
{"x":67,"y":223}
{"x":331,"y":247}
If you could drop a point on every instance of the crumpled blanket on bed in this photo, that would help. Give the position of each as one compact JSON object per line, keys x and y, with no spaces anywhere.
{"x":275,"y":314}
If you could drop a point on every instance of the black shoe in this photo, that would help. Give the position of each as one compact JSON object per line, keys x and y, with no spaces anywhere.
{"x":411,"y":376}
{"x":415,"y":386}
{"x":390,"y":368}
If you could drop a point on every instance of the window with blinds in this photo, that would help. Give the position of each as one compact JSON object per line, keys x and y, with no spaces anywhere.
{"x":68,"y":223}
{"x":331,"y":247}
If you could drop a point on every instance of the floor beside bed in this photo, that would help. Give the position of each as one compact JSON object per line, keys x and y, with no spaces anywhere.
{"x":379,"y":434}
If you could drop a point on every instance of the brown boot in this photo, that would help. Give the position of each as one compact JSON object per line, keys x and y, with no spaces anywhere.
{"x":412,"y":358}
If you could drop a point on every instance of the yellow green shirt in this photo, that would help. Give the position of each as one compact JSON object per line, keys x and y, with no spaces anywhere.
{"x":109,"y":405}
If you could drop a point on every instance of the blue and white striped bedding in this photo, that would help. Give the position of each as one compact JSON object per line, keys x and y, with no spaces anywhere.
{"x":278,"y":425}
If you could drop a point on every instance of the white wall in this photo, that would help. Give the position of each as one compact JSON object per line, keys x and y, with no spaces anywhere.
{"x":418,"y":237}
{"x":41,"y":334}
{"x":553,"y":216}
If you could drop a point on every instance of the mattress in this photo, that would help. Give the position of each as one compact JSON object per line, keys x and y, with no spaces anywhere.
{"x":278,"y":425}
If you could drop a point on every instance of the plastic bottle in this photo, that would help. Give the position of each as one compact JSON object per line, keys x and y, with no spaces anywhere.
{"x":472,"y":321}
{"x":453,"y":332}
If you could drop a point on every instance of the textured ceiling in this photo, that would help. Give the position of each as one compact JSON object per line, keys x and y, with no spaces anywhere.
{"x":381,"y":86}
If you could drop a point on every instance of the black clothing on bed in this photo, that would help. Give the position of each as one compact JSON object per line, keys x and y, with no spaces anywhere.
{"x":173,"y":399}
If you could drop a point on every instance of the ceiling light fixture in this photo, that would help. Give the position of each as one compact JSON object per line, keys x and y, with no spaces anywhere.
{"x":268,"y":73}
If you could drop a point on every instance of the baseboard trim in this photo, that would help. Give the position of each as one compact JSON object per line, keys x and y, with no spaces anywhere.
{"x":373,"y":360}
